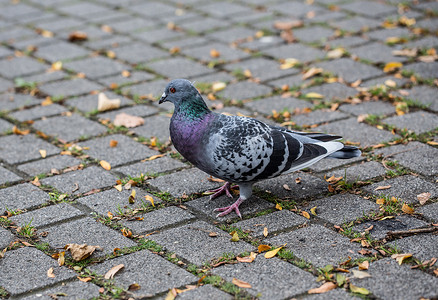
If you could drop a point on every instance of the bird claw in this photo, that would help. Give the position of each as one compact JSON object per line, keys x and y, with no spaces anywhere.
{"x":223,"y":189}
{"x":226,"y":210}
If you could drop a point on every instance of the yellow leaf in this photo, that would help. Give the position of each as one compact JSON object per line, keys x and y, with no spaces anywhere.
{"x":313,"y":211}
{"x":118,"y":187}
{"x":407,"y":209}
{"x":390,"y":83}
{"x":364,"y":265}
{"x":391,"y":66}
{"x":150,"y":199}
{"x":104,"y":103}
{"x":56,"y":66}
{"x":156,"y":156}
{"x":401,"y":257}
{"x":241,"y":284}
{"x":170,"y":295}
{"x":380,"y":201}
{"x":336,"y":53}
{"x":110,"y":274}
{"x":17,"y":131}
{"x":247,"y":73}
{"x":43,"y":153}
{"x":328,"y":286}
{"x":111,"y":54}
{"x":274,"y":252}
{"x":126,"y":73}
{"x":289,"y":63}
{"x":314,"y":95}
{"x":61,"y":258}
{"x":131,"y":198}
{"x":126,"y":232}
{"x":278,"y":206}
{"x":46,"y":102}
{"x":46,"y":33}
{"x":432,"y":143}
{"x":235,"y":237}
{"x":265,"y":231}
{"x":214,"y":53}
{"x":305,"y":214}
{"x":106,"y":165}
{"x":218,"y":86}
{"x":263,"y":248}
{"x":312,"y":72}
{"x":50,"y":273}
{"x":358,"y":290}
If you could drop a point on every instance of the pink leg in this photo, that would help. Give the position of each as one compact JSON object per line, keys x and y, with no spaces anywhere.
{"x":223,"y":189}
{"x":228,"y":209}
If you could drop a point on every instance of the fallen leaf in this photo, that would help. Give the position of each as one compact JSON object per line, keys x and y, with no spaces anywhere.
{"x":56,"y":66}
{"x":104,"y":103}
{"x":401,"y":257}
{"x":110,"y":274}
{"x":313,"y":210}
{"x":119,"y":187}
{"x":278,"y":206}
{"x":247,"y":259}
{"x":106,"y":165}
{"x":341,"y":279}
{"x":126,"y":73}
{"x":313,"y":95}
{"x":287,"y":35}
{"x":155,"y":156}
{"x":382,"y":187}
{"x":50,"y":273}
{"x":435,"y":272}
{"x":358,"y":290}
{"x":150,"y":199}
{"x":287,"y":25}
{"x":212,"y":234}
{"x":312,"y":72}
{"x":235,"y":236}
{"x":364,"y":265}
{"x":392,"y":66}
{"x":380,"y":201}
{"x":128,"y":121}
{"x":328,"y":286}
{"x":265,"y":231}
{"x":407,"y":209}
{"x":247,"y":73}
{"x":214,"y":53}
{"x":43,"y":153}
{"x":432,"y":143}
{"x":17,"y":131}
{"x":126,"y":232}
{"x":85,"y":279}
{"x":81,"y":252}
{"x":131,"y":198}
{"x":336,"y":53}
{"x":286,"y":187}
{"x":263,"y":248}
{"x":241,"y":283}
{"x":360,"y":274}
{"x":113,"y":143}
{"x":289,"y":63}
{"x":423,"y":197}
{"x":46,"y":102}
{"x":333,"y":179}
{"x":390,"y":83}
{"x":305,"y":214}
{"x":298,"y":180}
{"x":170,"y":295}
{"x":274,"y":252}
{"x":405,"y":52}
{"x":61,"y":258}
{"x":218,"y":86}
{"x":77,"y":36}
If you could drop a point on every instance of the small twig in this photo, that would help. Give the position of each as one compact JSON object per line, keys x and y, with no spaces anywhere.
{"x":411,"y":231}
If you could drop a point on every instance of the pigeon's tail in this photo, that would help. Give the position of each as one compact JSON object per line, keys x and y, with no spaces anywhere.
{"x":346,"y":152}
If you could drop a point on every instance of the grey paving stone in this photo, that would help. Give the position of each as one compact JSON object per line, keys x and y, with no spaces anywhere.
{"x":67,"y":88}
{"x":356,"y":24}
{"x":315,"y":34}
{"x":338,"y":294}
{"x":184,"y":182}
{"x":226,"y":53}
{"x":46,"y":165}
{"x":5,"y":85}
{"x":80,"y":9}
{"x":91,"y":233}
{"x":262,"y":43}
{"x":81,"y":181}
{"x":157,"y":35}
{"x":350,"y":70}
{"x":347,"y":42}
{"x":343,"y":208}
{"x":186,"y":42}
{"x":405,"y":187}
{"x":269,"y":278}
{"x":38,"y":112}
{"x":318,"y":117}
{"x":47,"y":215}
{"x":18,"y":149}
{"x":110,"y":43}
{"x":146,"y":269}
{"x":179,"y":68}
{"x":95,"y":67}
{"x":428,"y":24}
{"x":135,"y":53}
{"x":381,"y":227}
{"x":152,"y":89}
{"x":426,"y":42}
{"x":46,"y":77}
{"x":430,"y":211}
{"x":310,"y":186}
{"x":22,"y":196}
{"x":261,"y":68}
{"x":25,"y":269}
{"x":151,"y":167}
{"x":204,"y":292}
{"x":295,"y":9}
{"x":327,"y":164}
{"x":318,"y":245}
{"x":248,"y":207}
{"x":382,"y":81}
{"x":419,"y":121}
{"x":61,"y":51}
{"x":5,"y":238}
{"x":213,"y":77}
{"x":232,"y":34}
{"x":20,"y":66}
{"x":136,"y":110}
{"x":383,"y":34}
{"x":425,"y":95}
{"x":424,"y":70}
{"x":58,"y":25}
{"x":7,"y":176}
{"x":135,"y":77}
{"x":127,"y":150}
{"x":376,"y":53}
{"x":223,"y":10}
{"x":159,"y":219}
{"x":152,"y":9}
{"x":69,"y":290}
{"x":297,"y":51}
{"x":353,"y":131}
{"x":89,"y":103}
{"x":411,"y":284}
{"x":332,"y":91}
{"x":116,"y":202}
{"x":276,"y":221}
{"x":69,"y":128}
{"x":290,"y":81}
{"x":370,"y":107}
{"x":416,"y":156}
{"x":155,"y":126}
{"x":132,"y":24}
{"x":182,"y":240}
{"x":267,"y":105}
{"x":363,"y":171}
{"x":244,"y":90}
{"x":368,"y":9}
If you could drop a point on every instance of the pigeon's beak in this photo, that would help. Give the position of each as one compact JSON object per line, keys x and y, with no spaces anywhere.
{"x":163,"y":98}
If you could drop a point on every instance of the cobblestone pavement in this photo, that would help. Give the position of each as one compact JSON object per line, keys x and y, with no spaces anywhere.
{"x":365,"y":70}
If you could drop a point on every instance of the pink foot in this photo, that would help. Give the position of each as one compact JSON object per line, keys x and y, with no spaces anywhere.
{"x":223,"y":189}
{"x":228,"y":209}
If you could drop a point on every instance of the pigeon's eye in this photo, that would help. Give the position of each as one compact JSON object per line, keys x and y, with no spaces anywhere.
{"x":172,"y":90}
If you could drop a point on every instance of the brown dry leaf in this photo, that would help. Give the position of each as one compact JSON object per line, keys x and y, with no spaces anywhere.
{"x":401,"y":257}
{"x":36,"y":181}
{"x":392,"y":66}
{"x":328,"y":286}
{"x":134,"y":287}
{"x":106,"y":165}
{"x":128,"y":121}
{"x":110,"y":274}
{"x":305,"y":214}
{"x":126,"y":73}
{"x":382,"y":187}
{"x":61,"y":258}
{"x":17,"y":131}
{"x":312,"y":72}
{"x":81,"y":252}
{"x":432,"y":143}
{"x":214,"y":53}
{"x":405,"y":52}
{"x":265,"y":231}
{"x":46,"y":102}
{"x":174,"y":50}
{"x":2,"y":253}
{"x":298,"y":180}
{"x":104,"y":103}
{"x":364,"y":265}
{"x":170,"y":295}
{"x":241,"y":283}
{"x":247,"y":73}
{"x":150,"y":199}
{"x":155,"y":156}
{"x":334,"y":106}
{"x":84,"y":279}
{"x":287,"y":36}
{"x":423,"y":197}
{"x":131,"y":198}
{"x":263,"y":248}
{"x":274,"y":252}
{"x":286,"y":187}
{"x":333,"y":179}
{"x":50,"y":273}
{"x":336,"y":53}
{"x":361,"y":118}
{"x":407,"y":209}
{"x":247,"y":259}
{"x":43,"y":153}
{"x":77,"y":36}
{"x":126,"y":232}
{"x":281,"y":25}
{"x":435,"y":272}
{"x":358,"y":290}
{"x":113,"y":143}
{"x":212,"y":234}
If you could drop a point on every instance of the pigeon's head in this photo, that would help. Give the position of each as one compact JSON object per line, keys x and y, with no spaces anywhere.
{"x":179,"y":90}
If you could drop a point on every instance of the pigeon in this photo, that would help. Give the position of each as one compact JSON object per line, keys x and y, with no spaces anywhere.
{"x":240,"y":149}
